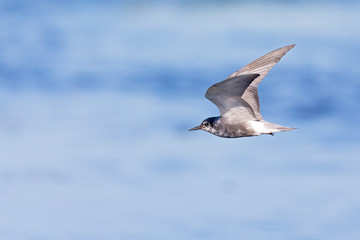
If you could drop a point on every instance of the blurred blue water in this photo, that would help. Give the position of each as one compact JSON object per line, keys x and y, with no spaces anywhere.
{"x":96,"y":98}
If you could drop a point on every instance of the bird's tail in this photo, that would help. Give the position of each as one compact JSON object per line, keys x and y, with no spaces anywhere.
{"x":277,"y":128}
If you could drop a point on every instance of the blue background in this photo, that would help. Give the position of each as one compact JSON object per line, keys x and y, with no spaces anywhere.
{"x":96,"y":98}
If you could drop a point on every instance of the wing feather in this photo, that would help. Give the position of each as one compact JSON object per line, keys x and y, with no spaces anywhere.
{"x":226,"y":95}
{"x":260,"y":66}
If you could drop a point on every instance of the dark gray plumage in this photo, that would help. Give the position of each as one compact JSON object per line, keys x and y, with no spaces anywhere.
{"x":238,"y":101}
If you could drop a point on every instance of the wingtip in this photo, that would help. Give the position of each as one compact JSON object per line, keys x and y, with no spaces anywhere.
{"x":291,"y":46}
{"x":286,"y":48}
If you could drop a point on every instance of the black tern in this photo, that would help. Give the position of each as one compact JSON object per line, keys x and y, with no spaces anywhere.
{"x":238,"y":101}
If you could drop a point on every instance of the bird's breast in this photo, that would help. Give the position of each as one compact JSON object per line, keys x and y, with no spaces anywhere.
{"x":235,"y":130}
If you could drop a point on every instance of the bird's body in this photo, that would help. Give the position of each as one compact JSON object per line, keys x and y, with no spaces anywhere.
{"x":238,"y":101}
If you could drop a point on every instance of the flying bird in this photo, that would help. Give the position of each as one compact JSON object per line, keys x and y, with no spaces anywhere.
{"x":238,"y":101}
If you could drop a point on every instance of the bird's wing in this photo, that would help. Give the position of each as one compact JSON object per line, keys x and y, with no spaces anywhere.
{"x":226,"y":95}
{"x":260,"y":66}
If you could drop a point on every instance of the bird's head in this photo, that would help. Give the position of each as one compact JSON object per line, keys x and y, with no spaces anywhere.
{"x":206,"y":125}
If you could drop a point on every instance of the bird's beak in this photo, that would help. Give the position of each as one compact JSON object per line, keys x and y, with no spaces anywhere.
{"x":196,"y":128}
